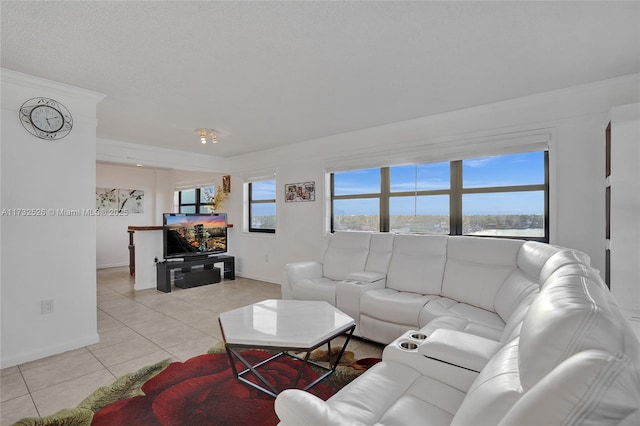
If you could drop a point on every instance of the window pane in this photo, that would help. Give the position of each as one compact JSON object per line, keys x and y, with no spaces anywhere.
{"x":188,"y":196}
{"x":421,"y":177}
{"x":504,"y":170}
{"x":362,"y":214}
{"x":187,"y":209}
{"x":357,"y":182}
{"x":206,"y":209}
{"x":429,"y":213}
{"x":263,"y":215}
{"x":263,"y":190}
{"x":513,"y":214}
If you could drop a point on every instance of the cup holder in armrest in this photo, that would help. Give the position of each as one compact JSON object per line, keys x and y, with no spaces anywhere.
{"x":408,"y":346}
{"x":418,"y":336}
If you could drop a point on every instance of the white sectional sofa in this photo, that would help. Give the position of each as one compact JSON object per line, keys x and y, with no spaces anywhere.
{"x":480,"y":331}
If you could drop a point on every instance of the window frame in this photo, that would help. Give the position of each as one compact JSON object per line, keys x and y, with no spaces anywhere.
{"x":455,"y":192}
{"x":198,"y":203}
{"x":260,"y":201}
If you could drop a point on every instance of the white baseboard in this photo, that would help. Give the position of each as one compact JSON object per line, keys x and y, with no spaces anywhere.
{"x":257,"y":278}
{"x":59,"y":348}
{"x":112,"y":265}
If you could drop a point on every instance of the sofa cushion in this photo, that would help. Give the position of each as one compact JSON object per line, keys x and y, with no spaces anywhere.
{"x":590,"y":388}
{"x":366,"y":399}
{"x":477,"y":267}
{"x":425,"y":399}
{"x":393,"y":393}
{"x":417,"y":263}
{"x":398,"y":307}
{"x":346,"y":252}
{"x":484,"y":323}
{"x":295,"y":407}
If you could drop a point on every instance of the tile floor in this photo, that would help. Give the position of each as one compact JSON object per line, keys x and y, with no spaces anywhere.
{"x":136,"y":328}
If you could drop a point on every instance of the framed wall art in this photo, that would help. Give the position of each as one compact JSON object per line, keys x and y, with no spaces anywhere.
{"x":115,"y":199}
{"x":295,"y":192}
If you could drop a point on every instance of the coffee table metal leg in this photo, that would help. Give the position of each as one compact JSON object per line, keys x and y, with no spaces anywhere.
{"x":271,"y":391}
{"x":231,"y":352}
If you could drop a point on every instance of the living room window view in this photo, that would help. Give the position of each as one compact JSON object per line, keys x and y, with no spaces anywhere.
{"x":262,"y":206}
{"x":499,"y":196}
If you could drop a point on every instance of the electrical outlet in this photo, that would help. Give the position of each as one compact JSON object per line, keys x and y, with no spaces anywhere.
{"x":46,"y":306}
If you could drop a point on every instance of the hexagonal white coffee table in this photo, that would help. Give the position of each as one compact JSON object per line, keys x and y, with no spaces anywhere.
{"x":283,"y":326}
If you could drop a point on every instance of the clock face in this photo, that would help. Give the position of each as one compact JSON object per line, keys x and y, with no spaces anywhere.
{"x":46,"y":119}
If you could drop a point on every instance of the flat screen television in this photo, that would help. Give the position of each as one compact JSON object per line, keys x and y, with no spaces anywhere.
{"x":194,"y":234}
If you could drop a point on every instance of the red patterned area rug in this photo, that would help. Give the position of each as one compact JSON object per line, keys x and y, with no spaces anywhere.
{"x":199,"y":391}
{"x":203,"y":391}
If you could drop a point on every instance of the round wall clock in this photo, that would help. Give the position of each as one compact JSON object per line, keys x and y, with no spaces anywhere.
{"x":46,"y":118}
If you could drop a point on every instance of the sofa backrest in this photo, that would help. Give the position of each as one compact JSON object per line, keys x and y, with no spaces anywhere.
{"x":591,"y":387}
{"x":496,"y":389}
{"x":571,"y":314}
{"x":521,"y":285}
{"x":476,"y":268}
{"x":380,"y":250}
{"x":576,"y":361}
{"x":417,"y":263}
{"x":561,"y":258}
{"x":346,"y":252}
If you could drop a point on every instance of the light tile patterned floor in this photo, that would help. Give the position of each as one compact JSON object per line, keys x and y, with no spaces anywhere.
{"x":136,"y":328}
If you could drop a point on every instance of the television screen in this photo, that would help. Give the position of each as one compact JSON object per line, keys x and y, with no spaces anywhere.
{"x":193,"y":234}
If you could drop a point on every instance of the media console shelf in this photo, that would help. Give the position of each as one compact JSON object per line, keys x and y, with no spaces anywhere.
{"x":164,"y":269}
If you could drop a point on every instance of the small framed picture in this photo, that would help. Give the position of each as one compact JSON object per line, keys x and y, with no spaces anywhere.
{"x":226,"y":184}
{"x":296,"y":192}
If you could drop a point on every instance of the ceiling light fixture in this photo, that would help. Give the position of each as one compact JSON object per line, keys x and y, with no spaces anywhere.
{"x":207,"y":135}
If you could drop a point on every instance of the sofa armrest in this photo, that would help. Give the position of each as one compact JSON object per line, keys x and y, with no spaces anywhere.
{"x":366,"y":276}
{"x":298,"y":271}
{"x":296,"y":407}
{"x":348,"y":294}
{"x":462,"y":349}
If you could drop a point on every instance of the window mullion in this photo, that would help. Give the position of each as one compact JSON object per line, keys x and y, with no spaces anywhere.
{"x":385,"y":185}
{"x":455,"y":199}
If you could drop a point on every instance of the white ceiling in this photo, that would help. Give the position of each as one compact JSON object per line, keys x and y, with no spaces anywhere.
{"x":273,"y":73}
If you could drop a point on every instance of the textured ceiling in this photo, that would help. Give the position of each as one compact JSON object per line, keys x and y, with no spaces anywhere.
{"x":273,"y":73}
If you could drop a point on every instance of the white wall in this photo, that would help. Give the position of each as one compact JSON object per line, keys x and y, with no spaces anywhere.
{"x":625,"y":206}
{"x":572,"y":118}
{"x":51,"y":256}
{"x":111,"y":233}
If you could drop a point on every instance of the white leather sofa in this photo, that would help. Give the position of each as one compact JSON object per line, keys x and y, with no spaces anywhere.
{"x":394,"y":283}
{"x":519,"y":333}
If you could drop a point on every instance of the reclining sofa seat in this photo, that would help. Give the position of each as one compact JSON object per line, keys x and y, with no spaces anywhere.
{"x":576,"y":361}
{"x":346,"y":252}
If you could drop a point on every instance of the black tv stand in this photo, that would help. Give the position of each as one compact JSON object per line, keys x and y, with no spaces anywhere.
{"x":163,"y":269}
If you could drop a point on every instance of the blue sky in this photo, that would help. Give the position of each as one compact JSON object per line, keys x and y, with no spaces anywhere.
{"x":504,"y":170}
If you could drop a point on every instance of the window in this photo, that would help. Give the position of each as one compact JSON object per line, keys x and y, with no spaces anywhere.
{"x":262,"y":206}
{"x":500,"y":196}
{"x":195,"y":200}
{"x":356,"y":200}
{"x":505,"y":196}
